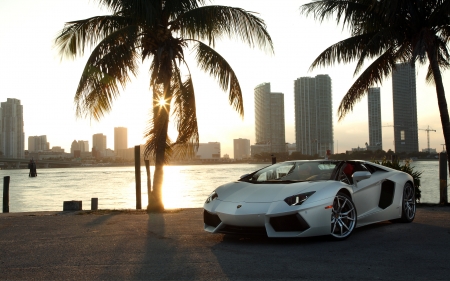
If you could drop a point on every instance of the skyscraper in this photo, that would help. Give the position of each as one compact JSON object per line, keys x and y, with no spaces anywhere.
{"x":12,"y":136}
{"x":241,"y":148}
{"x":99,"y":144}
{"x":37,"y":143}
{"x":120,"y":138}
{"x":269,"y":118}
{"x":374,"y":106}
{"x":406,"y":137}
{"x":313,"y":115}
{"x":84,"y":145}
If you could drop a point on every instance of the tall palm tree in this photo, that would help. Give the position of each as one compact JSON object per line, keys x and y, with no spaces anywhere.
{"x":159,"y":31}
{"x":386,"y":32}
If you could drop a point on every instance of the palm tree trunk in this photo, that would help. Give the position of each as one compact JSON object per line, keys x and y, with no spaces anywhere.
{"x":442,"y":102}
{"x":155,"y":199}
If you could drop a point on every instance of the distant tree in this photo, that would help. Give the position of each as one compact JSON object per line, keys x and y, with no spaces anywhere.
{"x":386,"y":32}
{"x":407,"y":168}
{"x":296,"y":155}
{"x":160,"y":31}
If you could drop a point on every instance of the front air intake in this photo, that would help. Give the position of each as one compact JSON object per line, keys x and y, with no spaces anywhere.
{"x":232,"y":229}
{"x":211,"y":219}
{"x":293,"y":222}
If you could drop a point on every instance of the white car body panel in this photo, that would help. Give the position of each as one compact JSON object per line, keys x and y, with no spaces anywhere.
{"x":247,"y":206}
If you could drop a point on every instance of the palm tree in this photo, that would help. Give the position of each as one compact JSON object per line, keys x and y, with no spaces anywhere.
{"x":386,"y":32}
{"x":159,"y":31}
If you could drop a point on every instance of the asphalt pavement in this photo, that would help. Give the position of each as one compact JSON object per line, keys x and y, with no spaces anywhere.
{"x":135,"y":245}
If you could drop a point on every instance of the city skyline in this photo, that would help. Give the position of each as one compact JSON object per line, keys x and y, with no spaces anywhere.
{"x":46,"y":86}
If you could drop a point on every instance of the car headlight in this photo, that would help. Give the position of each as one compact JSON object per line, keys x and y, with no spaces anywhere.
{"x":211,"y":197}
{"x":298,"y":199}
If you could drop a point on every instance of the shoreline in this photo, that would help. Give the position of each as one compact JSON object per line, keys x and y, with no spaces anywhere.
{"x":144,"y":211}
{"x":188,"y":164}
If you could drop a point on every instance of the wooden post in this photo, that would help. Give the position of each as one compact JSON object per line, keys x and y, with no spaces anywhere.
{"x":149,"y":182}
{"x":94,"y":204}
{"x":443,"y":198}
{"x":394,"y":158}
{"x":6,"y":194}
{"x":137,"y":173}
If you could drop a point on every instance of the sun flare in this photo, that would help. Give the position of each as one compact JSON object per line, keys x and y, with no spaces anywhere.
{"x":161,"y":101}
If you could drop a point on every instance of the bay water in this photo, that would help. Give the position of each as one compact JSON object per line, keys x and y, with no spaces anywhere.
{"x":115,"y":187}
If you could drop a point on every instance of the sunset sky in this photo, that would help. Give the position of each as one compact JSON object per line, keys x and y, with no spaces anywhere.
{"x":32,"y":71}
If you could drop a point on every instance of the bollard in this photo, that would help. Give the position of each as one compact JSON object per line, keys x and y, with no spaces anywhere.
{"x":394,"y":158}
{"x":6,"y":194}
{"x":73,"y":205}
{"x":94,"y":204}
{"x":274,"y":159}
{"x":443,"y":197}
{"x":137,"y":173}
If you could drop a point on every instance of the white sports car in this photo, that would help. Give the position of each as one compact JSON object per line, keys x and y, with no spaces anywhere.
{"x":310,"y":198}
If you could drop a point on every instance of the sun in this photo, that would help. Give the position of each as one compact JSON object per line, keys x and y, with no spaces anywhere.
{"x":162,"y":101}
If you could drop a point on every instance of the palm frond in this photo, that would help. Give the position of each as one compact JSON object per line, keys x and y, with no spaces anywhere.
{"x":109,"y":66}
{"x":213,"y":63}
{"x":77,"y":35}
{"x":344,"y":51}
{"x":176,"y":8}
{"x":373,"y":74}
{"x":443,"y":60}
{"x":184,"y":111}
{"x":347,"y":12}
{"x":209,"y":23}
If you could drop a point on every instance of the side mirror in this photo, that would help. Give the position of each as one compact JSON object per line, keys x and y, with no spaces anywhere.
{"x":243,"y":176}
{"x":359,"y":176}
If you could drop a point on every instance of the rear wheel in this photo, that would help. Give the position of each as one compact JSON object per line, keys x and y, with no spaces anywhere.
{"x":343,"y":216}
{"x":408,"y":203}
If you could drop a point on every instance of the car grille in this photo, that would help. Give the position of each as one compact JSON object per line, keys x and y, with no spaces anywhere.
{"x":293,"y":222}
{"x":211,"y":219}
{"x":232,"y":229}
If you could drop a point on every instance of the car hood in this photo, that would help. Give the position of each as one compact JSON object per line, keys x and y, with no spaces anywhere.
{"x":263,"y":193}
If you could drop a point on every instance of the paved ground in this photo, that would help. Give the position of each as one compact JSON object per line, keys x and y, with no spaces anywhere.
{"x":134,"y":245}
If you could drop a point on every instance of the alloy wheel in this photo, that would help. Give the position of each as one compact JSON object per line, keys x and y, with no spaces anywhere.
{"x":343,"y":216}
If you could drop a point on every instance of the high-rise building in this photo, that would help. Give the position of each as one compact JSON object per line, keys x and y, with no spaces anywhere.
{"x":208,"y":151}
{"x":12,"y":136}
{"x":374,"y":106}
{"x":241,"y":148}
{"x":269,"y":118}
{"x":84,"y":145}
{"x":80,"y":146}
{"x":313,"y":115}
{"x":406,"y":136}
{"x":120,"y":138}
{"x":99,"y":144}
{"x":75,"y":149}
{"x":38,"y":143}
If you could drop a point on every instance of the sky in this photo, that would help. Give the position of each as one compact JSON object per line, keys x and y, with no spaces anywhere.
{"x":32,"y":71}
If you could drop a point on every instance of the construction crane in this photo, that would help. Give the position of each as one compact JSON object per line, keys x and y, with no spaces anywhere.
{"x":428,"y":136}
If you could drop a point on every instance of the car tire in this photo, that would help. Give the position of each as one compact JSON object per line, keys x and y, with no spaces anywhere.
{"x":343,"y":217}
{"x":408,"y":203}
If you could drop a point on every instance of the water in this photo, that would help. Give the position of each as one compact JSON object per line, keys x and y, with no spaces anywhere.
{"x":184,"y":186}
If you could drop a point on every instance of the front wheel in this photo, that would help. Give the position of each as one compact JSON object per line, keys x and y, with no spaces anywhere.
{"x":343,"y":217}
{"x":408,"y":203}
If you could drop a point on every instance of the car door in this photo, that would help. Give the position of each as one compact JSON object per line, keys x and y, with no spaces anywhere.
{"x":366,"y":195}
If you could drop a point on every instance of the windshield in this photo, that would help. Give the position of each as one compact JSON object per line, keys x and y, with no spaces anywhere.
{"x":294,"y":171}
